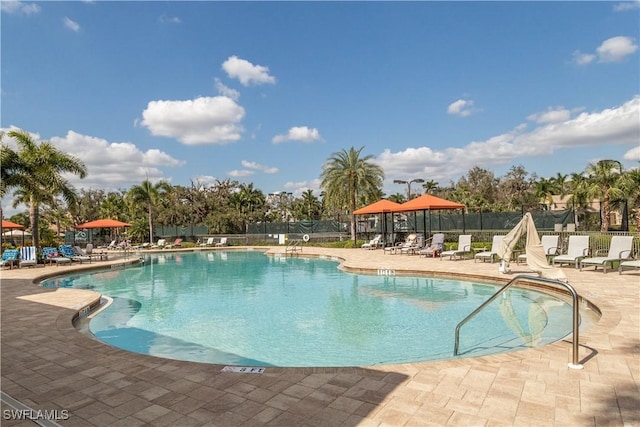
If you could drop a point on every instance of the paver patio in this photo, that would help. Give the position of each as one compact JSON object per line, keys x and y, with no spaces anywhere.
{"x":48,"y":365}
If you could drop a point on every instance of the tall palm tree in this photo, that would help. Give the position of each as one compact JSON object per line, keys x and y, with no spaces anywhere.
{"x":348,"y":177}
{"x":36,"y":170}
{"x":630,"y":185}
{"x":149,"y":194}
{"x":430,"y":187}
{"x":603,"y":178}
{"x":310,"y":204}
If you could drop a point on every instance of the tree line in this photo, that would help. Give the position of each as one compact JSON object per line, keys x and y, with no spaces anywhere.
{"x":349,"y":180}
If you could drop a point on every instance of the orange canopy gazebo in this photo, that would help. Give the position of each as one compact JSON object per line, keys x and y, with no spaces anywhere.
{"x":383,"y":207}
{"x":9,"y":224}
{"x":102,"y":223}
{"x":428,"y":202}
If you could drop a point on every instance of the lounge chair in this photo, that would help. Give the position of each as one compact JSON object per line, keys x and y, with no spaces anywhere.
{"x":464,"y":248}
{"x":209,"y":242}
{"x":619,"y":250}
{"x":176,"y":244}
{"x":578,"y":249}
{"x":435,"y":247}
{"x":491,"y":254}
{"x":633,"y":264}
{"x":222,"y":242}
{"x":67,"y":251}
{"x":113,"y":245}
{"x":412,"y":245}
{"x":373,"y":243}
{"x":549,"y":244}
{"x":52,"y":255}
{"x":397,"y":248}
{"x":10,"y":257}
{"x":89,"y":251}
{"x":160,"y":245}
{"x":28,"y":256}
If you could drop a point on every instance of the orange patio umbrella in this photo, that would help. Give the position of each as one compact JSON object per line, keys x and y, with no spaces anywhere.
{"x":9,"y":224}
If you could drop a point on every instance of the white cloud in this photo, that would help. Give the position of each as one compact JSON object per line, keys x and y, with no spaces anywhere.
{"x":70,"y":24}
{"x":616,"y":49}
{"x":9,"y":6}
{"x":461,"y":107}
{"x":226,"y":91}
{"x":239,"y":173}
{"x":204,"y":120}
{"x":552,"y":115}
{"x":633,"y":154}
{"x":299,"y":133}
{"x":583,"y":58}
{"x":247,"y":73}
{"x":169,"y":19}
{"x":299,"y":187}
{"x":258,"y":167}
{"x":627,"y":5}
{"x":617,"y":126}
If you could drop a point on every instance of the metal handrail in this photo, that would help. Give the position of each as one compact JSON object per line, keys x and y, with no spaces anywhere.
{"x":574,"y":295}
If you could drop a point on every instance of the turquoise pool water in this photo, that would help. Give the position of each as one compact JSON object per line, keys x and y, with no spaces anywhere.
{"x":249,"y":309}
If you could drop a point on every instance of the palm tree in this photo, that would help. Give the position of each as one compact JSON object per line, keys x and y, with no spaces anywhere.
{"x":630,"y":186}
{"x":149,"y":194}
{"x":602,"y":184}
{"x":544,"y":190}
{"x":310,"y":204}
{"x":36,"y":170}
{"x":348,"y":177}
{"x":430,"y":187}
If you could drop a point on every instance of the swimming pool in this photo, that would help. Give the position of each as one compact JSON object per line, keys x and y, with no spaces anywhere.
{"x":245,"y":308}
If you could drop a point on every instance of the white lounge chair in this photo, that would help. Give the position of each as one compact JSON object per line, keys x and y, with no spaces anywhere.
{"x":160,"y":245}
{"x":373,"y":243}
{"x":491,"y":254}
{"x":619,"y":250}
{"x":549,"y":244}
{"x":209,"y":242}
{"x":101,"y":255}
{"x":578,"y":249}
{"x":436,"y":246}
{"x":633,"y":264}
{"x":222,"y":242}
{"x":28,"y":256}
{"x":409,"y":241}
{"x":464,"y":248}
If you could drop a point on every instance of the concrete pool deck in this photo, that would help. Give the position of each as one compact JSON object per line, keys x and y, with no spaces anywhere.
{"x":48,"y":365}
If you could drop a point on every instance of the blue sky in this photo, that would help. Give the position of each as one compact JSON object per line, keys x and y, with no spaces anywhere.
{"x":264,"y":92}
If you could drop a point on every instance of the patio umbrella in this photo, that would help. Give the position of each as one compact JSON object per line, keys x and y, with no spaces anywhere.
{"x":102,"y":223}
{"x":9,"y":224}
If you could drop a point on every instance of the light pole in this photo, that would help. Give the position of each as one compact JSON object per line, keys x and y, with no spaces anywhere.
{"x":400,"y":181}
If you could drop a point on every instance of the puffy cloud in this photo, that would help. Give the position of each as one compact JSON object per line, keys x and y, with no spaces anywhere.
{"x":165,"y":19}
{"x":552,"y":115}
{"x":259,"y":167}
{"x":15,"y":7}
{"x":70,"y":24}
{"x":239,"y":173}
{"x":633,"y":154}
{"x":299,"y":133}
{"x":299,"y":187}
{"x":616,"y":49}
{"x":113,"y":165}
{"x":226,"y":91}
{"x":618,"y":125}
{"x":204,"y":120}
{"x":247,"y":73}
{"x":461,"y":107}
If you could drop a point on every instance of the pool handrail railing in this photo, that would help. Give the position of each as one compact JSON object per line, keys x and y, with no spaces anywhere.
{"x":574,"y":295}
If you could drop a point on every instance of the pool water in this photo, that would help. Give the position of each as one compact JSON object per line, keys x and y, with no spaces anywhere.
{"x":249,"y":309}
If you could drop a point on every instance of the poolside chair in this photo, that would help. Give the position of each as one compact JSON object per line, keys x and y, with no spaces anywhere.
{"x":160,"y":244}
{"x":373,"y":243}
{"x":52,"y":255}
{"x":28,"y":256}
{"x":209,"y":242}
{"x":397,"y":248}
{"x":89,"y":251}
{"x":633,"y":264}
{"x":411,"y":245}
{"x":549,"y":244}
{"x":67,"y":251}
{"x":578,"y":249}
{"x":619,"y":250}
{"x":491,"y":254}
{"x":10,"y":257}
{"x":113,"y":245}
{"x":176,"y":243}
{"x":222,"y":242}
{"x":464,"y":248}
{"x":436,"y":246}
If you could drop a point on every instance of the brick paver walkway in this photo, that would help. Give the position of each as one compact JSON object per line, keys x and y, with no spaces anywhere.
{"x":48,"y":365}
